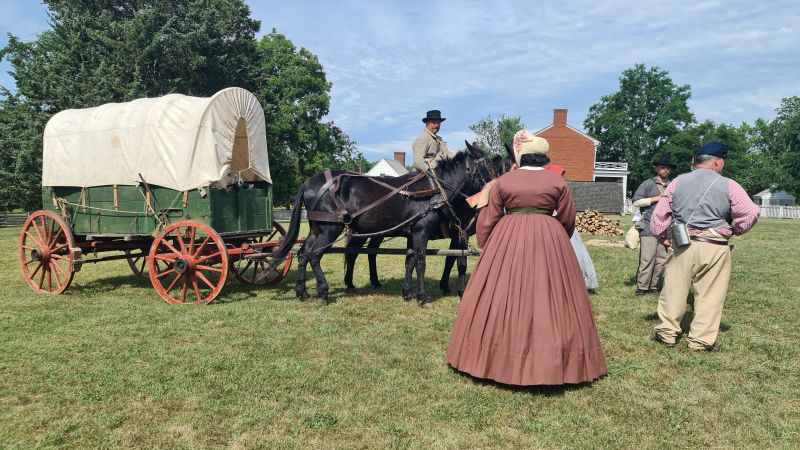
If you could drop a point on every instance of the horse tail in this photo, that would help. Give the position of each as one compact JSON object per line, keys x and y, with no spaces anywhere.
{"x":279,"y":254}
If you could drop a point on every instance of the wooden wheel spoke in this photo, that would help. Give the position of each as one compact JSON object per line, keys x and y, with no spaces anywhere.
{"x":35,"y":271}
{"x":50,"y":279}
{"x":35,"y":241}
{"x":169,"y":246}
{"x":165,"y":273}
{"x":246,"y":266}
{"x":165,"y":257}
{"x":183,"y":290}
{"x":191,"y":240}
{"x":54,"y":243}
{"x":209,"y":268}
{"x":28,"y":262}
{"x":172,"y":285}
{"x":59,"y":248}
{"x":204,"y":280}
{"x":58,"y":257}
{"x":197,"y":251}
{"x":35,"y":225}
{"x":181,"y":243}
{"x":53,"y":229}
{"x":207,"y":257}
{"x":41,"y":276}
{"x":59,"y":268}
{"x":58,"y":277}
{"x":197,"y":291}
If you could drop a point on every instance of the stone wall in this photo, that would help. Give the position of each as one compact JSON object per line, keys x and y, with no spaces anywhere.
{"x":603,"y":196}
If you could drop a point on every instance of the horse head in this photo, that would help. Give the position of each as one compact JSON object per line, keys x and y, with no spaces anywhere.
{"x":480,"y":167}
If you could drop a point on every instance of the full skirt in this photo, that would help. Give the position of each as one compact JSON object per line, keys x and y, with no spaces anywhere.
{"x":525,"y":317}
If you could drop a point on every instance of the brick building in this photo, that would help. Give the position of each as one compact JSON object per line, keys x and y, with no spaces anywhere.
{"x":595,"y":185}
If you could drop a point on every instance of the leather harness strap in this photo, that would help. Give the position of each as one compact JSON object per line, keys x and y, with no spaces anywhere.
{"x":341,"y":215}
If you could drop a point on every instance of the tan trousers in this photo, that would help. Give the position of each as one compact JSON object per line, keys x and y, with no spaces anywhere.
{"x":707,"y":269}
{"x":652,"y":258}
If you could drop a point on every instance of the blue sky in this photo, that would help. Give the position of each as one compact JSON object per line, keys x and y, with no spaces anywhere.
{"x":390,"y":61}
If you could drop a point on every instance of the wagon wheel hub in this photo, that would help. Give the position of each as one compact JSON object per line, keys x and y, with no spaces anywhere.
{"x":185,"y":264}
{"x":42,"y":255}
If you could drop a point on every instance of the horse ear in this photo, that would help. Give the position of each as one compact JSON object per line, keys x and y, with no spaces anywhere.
{"x":473,"y":150}
{"x":509,"y":150}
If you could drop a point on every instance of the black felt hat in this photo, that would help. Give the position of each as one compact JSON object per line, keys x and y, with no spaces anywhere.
{"x":664,"y":160}
{"x":433,"y":114}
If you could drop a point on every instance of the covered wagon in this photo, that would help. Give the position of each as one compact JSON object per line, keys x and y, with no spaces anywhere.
{"x":178,"y":186}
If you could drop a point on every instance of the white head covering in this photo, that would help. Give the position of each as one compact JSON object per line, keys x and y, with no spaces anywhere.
{"x":526,"y":142}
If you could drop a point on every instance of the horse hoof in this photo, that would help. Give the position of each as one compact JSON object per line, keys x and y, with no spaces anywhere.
{"x":323,"y":301}
{"x":426,"y":305}
{"x":445,"y":291}
{"x":303,"y":296}
{"x":377,"y":285}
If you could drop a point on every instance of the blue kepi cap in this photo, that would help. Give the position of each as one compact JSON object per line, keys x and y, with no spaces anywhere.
{"x":713,"y":148}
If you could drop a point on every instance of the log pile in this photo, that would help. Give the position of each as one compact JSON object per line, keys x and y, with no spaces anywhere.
{"x":593,"y":222}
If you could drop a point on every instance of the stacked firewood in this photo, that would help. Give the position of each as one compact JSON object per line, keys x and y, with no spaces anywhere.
{"x":592,"y":222}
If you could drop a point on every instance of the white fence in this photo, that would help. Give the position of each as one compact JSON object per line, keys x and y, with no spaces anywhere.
{"x":781,"y":212}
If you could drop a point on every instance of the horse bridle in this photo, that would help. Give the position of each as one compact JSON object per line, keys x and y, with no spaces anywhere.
{"x":473,"y":170}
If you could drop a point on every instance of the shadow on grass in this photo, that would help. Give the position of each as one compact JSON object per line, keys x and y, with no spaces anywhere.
{"x":543,"y":390}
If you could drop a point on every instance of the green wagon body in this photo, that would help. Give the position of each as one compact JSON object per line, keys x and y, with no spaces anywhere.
{"x":92,"y":211}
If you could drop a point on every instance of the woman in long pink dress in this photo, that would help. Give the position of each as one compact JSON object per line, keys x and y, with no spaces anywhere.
{"x":525,"y":317}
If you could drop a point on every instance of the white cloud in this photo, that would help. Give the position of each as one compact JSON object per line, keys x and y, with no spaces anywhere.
{"x":391,"y":61}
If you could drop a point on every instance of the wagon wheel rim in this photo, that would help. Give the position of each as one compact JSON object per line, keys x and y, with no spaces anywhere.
{"x":138,"y":264}
{"x":252,"y":271}
{"x":196,"y":263}
{"x":45,"y":254}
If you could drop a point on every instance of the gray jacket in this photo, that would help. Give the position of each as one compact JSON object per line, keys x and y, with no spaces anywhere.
{"x":650,"y":188}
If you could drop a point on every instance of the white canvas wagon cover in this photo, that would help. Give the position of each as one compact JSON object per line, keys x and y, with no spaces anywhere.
{"x":175,"y":141}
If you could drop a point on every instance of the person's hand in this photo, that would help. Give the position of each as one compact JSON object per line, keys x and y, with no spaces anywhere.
{"x":666,"y":243}
{"x":514,"y":166}
{"x":655,"y":199}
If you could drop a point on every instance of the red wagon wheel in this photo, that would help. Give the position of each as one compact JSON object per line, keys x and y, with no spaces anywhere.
{"x":252,"y":270}
{"x":196,"y":261}
{"x":45,"y":244}
{"x":138,"y":263}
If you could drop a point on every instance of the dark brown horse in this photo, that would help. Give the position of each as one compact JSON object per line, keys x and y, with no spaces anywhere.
{"x":465,"y":214}
{"x":369,"y":208}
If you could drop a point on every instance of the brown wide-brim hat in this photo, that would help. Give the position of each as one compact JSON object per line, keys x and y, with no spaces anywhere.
{"x":433,"y":114}
{"x":664,"y":160}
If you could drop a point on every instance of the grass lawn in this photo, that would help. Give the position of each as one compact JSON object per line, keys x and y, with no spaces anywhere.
{"x":109,"y":364}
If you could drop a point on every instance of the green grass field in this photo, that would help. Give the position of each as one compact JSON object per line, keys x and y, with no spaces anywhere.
{"x":109,"y":364}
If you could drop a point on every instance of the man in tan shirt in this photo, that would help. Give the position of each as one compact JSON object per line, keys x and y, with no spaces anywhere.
{"x":429,"y":148}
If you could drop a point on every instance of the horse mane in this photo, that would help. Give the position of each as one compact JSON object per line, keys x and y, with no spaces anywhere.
{"x":447,"y":164}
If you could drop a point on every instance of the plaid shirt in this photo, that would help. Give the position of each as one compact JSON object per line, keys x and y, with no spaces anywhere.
{"x":743,"y":211}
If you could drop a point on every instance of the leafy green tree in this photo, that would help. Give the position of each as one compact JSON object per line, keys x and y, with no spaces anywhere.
{"x":101,"y":51}
{"x":295,"y":94}
{"x":787,"y":143}
{"x":493,"y":134}
{"x":20,"y":154}
{"x":105,"y":51}
{"x":634,"y":123}
{"x":747,"y":165}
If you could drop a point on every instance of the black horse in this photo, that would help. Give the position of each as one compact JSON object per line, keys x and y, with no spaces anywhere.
{"x":466,"y":216}
{"x":415,"y":209}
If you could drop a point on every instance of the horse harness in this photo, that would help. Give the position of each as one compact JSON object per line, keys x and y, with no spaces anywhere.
{"x":436,"y":191}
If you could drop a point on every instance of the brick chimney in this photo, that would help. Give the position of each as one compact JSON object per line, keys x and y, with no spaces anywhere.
{"x":400,"y":157}
{"x":560,"y":117}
